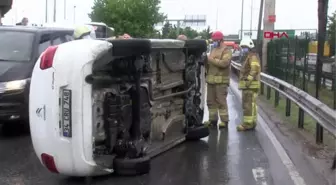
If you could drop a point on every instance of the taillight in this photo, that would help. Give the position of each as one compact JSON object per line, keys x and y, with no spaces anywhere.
{"x":49,"y":162}
{"x":47,"y":58}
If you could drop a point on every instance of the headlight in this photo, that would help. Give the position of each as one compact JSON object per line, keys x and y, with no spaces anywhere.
{"x":15,"y":85}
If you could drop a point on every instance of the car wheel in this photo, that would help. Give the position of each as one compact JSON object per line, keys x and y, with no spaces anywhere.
{"x":195,"y":47}
{"x":130,"y":167}
{"x":197,"y":133}
{"x":131,"y":47}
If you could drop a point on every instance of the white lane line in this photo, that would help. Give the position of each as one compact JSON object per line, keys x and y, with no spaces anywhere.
{"x":259,"y":176}
{"x":293,"y":173}
{"x":288,"y":163}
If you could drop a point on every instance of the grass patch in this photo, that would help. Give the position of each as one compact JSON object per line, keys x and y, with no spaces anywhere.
{"x":326,"y":95}
{"x":292,"y":120}
{"x":309,"y":123}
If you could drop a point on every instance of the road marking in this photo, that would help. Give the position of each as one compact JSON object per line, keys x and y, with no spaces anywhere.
{"x":293,"y":173}
{"x":259,"y":176}
{"x":288,"y":163}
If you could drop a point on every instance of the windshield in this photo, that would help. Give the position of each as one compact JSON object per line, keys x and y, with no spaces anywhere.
{"x":15,"y":46}
{"x":102,"y":31}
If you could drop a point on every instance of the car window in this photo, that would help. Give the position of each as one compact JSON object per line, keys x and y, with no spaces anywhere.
{"x":69,"y":38}
{"x":15,"y":45}
{"x":100,"y":31}
{"x":62,"y":38}
{"x":45,"y":42}
{"x":58,"y":41}
{"x":230,"y":47}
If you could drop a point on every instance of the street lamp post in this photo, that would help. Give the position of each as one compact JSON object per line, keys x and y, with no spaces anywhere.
{"x":217,"y":17}
{"x":74,"y":14}
{"x":242,"y":20}
{"x":251,"y":18}
{"x":46,"y":11}
{"x":54,"y":10}
{"x":64,"y":9}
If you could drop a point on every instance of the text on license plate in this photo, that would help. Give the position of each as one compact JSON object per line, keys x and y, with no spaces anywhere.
{"x":66,"y":113}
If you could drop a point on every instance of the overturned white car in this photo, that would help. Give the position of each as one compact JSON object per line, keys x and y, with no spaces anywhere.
{"x":103,"y":106}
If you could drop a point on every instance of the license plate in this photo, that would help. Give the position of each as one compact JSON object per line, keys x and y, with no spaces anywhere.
{"x":66,"y":113}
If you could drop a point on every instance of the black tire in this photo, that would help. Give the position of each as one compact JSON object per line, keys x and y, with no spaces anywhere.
{"x":195,"y":47}
{"x":130,"y":47}
{"x":131,"y":167}
{"x":197,"y":133}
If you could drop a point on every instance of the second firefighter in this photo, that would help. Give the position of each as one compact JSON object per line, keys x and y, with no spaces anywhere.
{"x":249,"y":83}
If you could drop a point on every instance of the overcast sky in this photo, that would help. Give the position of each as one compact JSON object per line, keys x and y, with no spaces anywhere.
{"x":291,"y":14}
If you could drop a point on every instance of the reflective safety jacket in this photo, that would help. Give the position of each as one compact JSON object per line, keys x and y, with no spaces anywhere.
{"x":249,"y":77}
{"x":218,"y":66}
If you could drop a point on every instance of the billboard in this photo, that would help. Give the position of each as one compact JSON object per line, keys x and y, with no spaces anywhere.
{"x":254,"y":33}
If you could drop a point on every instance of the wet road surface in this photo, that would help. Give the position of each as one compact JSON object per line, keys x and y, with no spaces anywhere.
{"x":226,"y":157}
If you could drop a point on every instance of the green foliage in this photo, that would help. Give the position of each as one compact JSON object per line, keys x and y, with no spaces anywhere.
{"x":206,"y":34}
{"x":135,"y":17}
{"x":332,"y":32}
{"x":171,"y":31}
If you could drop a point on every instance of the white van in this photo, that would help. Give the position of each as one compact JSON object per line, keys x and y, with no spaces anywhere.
{"x":103,"y":106}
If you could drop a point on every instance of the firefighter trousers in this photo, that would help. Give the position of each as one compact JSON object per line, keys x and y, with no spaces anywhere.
{"x":216,"y":101}
{"x":249,"y":97}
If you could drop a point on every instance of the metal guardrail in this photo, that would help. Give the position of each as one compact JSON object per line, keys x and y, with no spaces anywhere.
{"x":324,"y":115}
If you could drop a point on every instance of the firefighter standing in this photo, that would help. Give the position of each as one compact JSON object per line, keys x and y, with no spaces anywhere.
{"x":218,"y":80}
{"x":249,"y":83}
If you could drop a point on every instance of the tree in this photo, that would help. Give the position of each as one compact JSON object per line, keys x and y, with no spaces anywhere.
{"x":206,"y":34}
{"x":189,"y":32}
{"x":135,"y":17}
{"x":167,"y":27}
{"x":170,"y":31}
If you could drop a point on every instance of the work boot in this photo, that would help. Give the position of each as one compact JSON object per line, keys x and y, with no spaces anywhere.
{"x":246,"y":127}
{"x":211,"y":124}
{"x":223,"y":124}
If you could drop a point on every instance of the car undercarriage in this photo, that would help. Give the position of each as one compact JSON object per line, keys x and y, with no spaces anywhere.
{"x":146,"y":98}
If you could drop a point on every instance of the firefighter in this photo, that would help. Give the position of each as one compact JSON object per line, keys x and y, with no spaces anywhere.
{"x":182,"y":37}
{"x":218,"y":81}
{"x":84,"y":32}
{"x":249,"y":83}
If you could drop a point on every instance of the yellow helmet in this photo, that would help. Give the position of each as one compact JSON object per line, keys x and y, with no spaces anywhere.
{"x":84,"y":31}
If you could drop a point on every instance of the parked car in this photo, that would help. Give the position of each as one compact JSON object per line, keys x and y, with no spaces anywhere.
{"x":20,"y":47}
{"x":110,"y":105}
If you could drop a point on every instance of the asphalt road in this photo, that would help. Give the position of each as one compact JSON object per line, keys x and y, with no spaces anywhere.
{"x":224,"y":158}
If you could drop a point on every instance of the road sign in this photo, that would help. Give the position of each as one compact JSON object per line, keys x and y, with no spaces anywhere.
{"x":271,"y":35}
{"x":289,"y":33}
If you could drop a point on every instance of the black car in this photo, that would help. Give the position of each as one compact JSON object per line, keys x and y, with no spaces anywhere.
{"x":20,"y":47}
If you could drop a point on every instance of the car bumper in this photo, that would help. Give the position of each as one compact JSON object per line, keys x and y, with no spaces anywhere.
{"x":13,"y":106}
